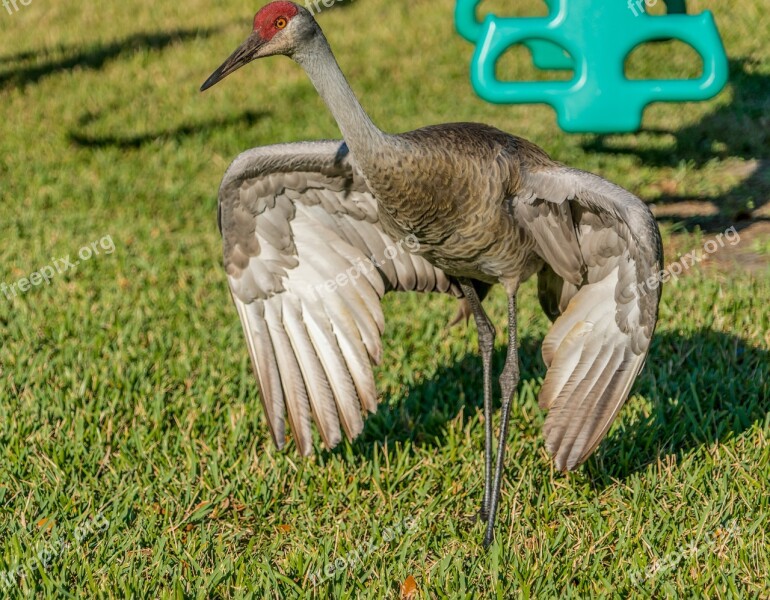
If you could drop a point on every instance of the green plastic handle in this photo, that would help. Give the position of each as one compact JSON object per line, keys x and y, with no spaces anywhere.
{"x":598,"y":36}
{"x":545,"y":55}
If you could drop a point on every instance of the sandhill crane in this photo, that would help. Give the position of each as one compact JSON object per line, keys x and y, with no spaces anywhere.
{"x":315,"y":233}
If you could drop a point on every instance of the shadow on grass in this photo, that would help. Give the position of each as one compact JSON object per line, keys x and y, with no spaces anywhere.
{"x":248,"y":117}
{"x":94,"y":57}
{"x":705,"y":388}
{"x":422,"y":415}
{"x":740,"y":129}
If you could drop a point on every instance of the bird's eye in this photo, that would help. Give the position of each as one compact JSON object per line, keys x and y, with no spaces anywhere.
{"x":280,"y":22}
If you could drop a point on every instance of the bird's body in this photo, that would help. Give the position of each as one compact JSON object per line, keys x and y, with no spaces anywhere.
{"x":451,"y":187}
{"x":314,"y":234}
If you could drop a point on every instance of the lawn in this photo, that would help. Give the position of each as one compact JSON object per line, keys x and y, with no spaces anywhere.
{"x":135,"y":460}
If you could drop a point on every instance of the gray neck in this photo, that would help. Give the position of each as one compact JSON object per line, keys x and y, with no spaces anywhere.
{"x":361,"y":135}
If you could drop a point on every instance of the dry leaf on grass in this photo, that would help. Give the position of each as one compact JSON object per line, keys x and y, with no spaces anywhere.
{"x":408,"y":588}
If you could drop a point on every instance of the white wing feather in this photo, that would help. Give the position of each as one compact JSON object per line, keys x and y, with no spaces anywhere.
{"x":300,"y":232}
{"x":600,"y":244}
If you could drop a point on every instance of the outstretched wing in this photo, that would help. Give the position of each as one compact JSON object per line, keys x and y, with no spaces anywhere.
{"x":308,"y":262}
{"x":602,"y":251}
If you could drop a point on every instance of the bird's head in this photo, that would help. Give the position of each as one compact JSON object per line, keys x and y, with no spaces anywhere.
{"x":279,"y":28}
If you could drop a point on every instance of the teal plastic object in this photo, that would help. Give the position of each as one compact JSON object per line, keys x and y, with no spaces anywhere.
{"x":545,"y":55}
{"x":597,"y":38}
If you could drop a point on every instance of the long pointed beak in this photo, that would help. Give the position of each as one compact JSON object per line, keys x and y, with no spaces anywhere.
{"x":244,"y":54}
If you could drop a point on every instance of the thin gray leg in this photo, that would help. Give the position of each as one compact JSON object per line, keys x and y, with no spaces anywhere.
{"x":486,"y":333}
{"x":509,"y":379}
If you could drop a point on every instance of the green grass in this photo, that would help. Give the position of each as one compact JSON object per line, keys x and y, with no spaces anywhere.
{"x":134,"y":455}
